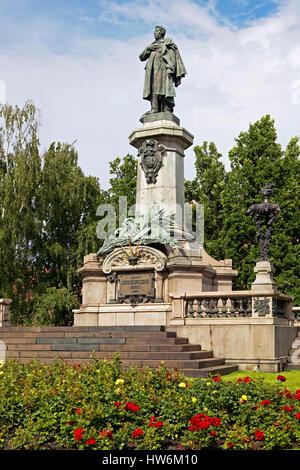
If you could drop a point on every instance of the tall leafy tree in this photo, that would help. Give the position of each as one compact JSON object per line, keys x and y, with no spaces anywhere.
{"x":206,"y":189}
{"x":255,"y":161}
{"x":20,"y":172}
{"x":47,"y":220}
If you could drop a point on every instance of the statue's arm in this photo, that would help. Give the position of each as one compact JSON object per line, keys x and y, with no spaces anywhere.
{"x":145,"y":54}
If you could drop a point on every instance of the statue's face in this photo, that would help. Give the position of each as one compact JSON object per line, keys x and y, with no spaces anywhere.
{"x":158,"y":33}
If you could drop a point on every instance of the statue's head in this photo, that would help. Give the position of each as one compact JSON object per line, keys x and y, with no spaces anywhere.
{"x":267,"y":190}
{"x":159,"y":32}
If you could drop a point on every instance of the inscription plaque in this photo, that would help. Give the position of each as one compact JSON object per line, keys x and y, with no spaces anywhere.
{"x":139,"y":286}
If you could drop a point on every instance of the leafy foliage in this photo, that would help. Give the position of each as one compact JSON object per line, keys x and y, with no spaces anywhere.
{"x":101,"y":406}
{"x":256,"y":159}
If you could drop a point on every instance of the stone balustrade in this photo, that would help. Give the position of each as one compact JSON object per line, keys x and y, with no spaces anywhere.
{"x":233,"y":304}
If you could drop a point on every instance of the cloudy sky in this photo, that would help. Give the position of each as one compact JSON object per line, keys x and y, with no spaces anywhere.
{"x":78,"y":61}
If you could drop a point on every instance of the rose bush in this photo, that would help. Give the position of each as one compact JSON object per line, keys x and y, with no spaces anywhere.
{"x":101,"y":406}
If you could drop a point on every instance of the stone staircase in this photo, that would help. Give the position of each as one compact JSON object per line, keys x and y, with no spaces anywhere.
{"x":294,"y":354}
{"x":141,"y":346}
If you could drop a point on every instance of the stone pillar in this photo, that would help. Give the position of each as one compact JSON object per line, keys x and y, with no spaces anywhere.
{"x":168,"y":164}
{"x":4,"y":311}
{"x":264,"y":281}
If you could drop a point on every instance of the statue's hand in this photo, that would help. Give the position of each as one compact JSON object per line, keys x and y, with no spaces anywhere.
{"x":153,"y":47}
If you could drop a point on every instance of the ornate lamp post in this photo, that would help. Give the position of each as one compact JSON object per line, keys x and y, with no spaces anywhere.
{"x":264,"y":215}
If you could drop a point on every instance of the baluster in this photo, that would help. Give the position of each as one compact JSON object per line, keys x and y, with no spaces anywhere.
{"x":215,"y":309}
{"x":224,"y":308}
{"x":249,"y":307}
{"x":232,"y":307}
{"x":206,"y":307}
{"x":199,"y":309}
{"x":191,"y":308}
{"x":241,"y":308}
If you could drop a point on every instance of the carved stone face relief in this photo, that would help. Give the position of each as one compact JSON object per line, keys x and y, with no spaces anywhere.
{"x":150,"y":153}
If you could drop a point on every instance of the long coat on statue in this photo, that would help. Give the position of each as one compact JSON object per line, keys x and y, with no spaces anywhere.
{"x":164,"y":69}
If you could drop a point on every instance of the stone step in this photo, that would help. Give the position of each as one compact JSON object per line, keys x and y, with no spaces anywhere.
{"x":126,"y":362}
{"x":94,"y":334}
{"x":111,"y":347}
{"x":157,"y":341}
{"x":88,"y":353}
{"x":206,"y":371}
{"x":138,"y":346}
{"x":293,"y":367}
{"x":78,"y":329}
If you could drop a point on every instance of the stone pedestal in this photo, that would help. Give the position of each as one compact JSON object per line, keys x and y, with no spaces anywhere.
{"x":168,"y":189}
{"x":264,"y":281}
{"x":4,"y":311}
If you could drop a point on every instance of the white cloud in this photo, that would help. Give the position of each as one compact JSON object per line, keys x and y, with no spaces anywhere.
{"x":95,"y":94}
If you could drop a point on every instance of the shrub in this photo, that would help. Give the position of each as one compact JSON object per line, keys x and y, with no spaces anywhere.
{"x":101,"y":406}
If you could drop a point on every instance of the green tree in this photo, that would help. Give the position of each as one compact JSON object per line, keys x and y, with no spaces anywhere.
{"x":206,"y":189}
{"x":123,"y":181}
{"x":256,"y":159}
{"x":285,"y":248}
{"x":20,"y":172}
{"x":47,"y":219}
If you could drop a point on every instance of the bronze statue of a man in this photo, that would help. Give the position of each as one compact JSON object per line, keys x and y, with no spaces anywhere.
{"x":164,"y":69}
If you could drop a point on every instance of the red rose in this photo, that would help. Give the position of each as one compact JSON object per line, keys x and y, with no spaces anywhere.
{"x":78,"y":411}
{"x":298,"y":415}
{"x":266,"y":402}
{"x":259,"y":435}
{"x":78,"y":433}
{"x":131,"y":407}
{"x":117,"y":404}
{"x":137,"y":433}
{"x":216,"y":422}
{"x":287,"y":408}
{"x":216,"y":378}
{"x":230,"y":445}
{"x":192,"y":428}
{"x":297,"y":395}
{"x":287,"y":394}
{"x":245,"y":379}
{"x":90,"y":442}
{"x":213,"y":433}
{"x":157,"y":424}
{"x":281,"y":378}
